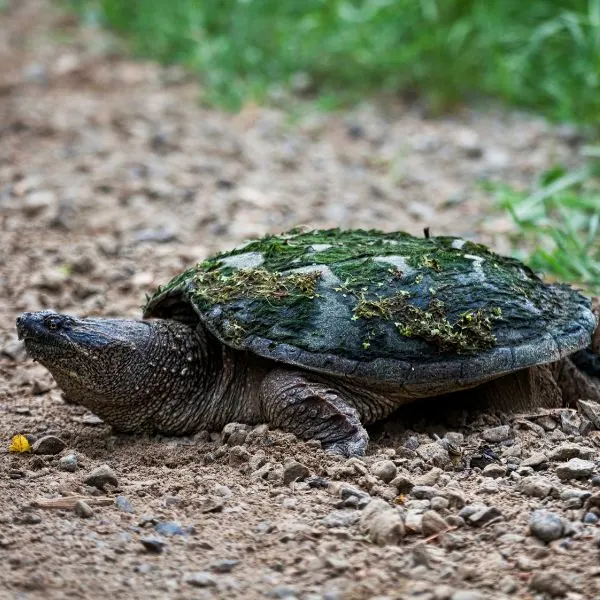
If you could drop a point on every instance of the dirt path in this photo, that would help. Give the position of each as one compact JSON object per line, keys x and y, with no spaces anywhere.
{"x":113,"y":178}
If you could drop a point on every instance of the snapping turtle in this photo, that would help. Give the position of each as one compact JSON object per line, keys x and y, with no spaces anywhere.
{"x":318,"y":332}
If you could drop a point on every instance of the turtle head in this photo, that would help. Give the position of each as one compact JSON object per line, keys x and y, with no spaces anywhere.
{"x":99,"y":363}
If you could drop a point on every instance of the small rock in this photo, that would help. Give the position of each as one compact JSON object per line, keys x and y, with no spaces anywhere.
{"x":68,"y":463}
{"x":537,"y":460}
{"x":212,"y":505}
{"x":235,"y":434}
{"x":225,"y":566}
{"x":489,"y":486}
{"x":568,"y":450}
{"x":430,"y":478}
{"x":382,"y":523}
{"x":153,"y":544}
{"x":435,"y":454}
{"x":576,"y":468}
{"x":432,"y":523}
{"x":38,"y":201}
{"x":549,"y":581}
{"x":40,"y":386}
{"x":495,"y":435}
{"x":546,"y":526}
{"x":413,"y":521}
{"x":403,"y":484}
{"x":439,"y":503}
{"x":294,"y":471}
{"x":341,"y":518}
{"x":590,"y":518}
{"x":83,"y":510}
{"x":494,"y":470}
{"x":591,"y":410}
{"x":102,"y":476}
{"x":423,"y":492}
{"x":238,"y":455}
{"x":481,"y":517}
{"x":201,"y":579}
{"x":384,"y":469}
{"x":49,"y":444}
{"x":169,"y":528}
{"x":29,"y":518}
{"x":124,"y":504}
{"x":536,"y":487}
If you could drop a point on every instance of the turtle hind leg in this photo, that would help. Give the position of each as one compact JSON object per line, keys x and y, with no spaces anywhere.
{"x":312,"y":410}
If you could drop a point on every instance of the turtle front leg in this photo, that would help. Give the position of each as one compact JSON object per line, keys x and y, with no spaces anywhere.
{"x":312,"y":411}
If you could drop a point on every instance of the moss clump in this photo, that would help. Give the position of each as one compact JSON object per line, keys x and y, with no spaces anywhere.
{"x":472,"y":332}
{"x":219,"y":286}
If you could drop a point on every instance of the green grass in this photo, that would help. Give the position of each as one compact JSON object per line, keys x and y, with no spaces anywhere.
{"x":538,"y":53}
{"x":559,"y":225}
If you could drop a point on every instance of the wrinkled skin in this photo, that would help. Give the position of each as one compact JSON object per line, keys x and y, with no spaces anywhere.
{"x":165,"y":376}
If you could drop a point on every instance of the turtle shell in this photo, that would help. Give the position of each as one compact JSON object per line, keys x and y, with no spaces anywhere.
{"x":433,"y":313}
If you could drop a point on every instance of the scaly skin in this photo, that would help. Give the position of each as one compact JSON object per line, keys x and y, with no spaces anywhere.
{"x":165,"y":376}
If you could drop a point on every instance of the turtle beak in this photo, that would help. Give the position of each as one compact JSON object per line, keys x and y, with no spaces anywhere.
{"x":30,"y":325}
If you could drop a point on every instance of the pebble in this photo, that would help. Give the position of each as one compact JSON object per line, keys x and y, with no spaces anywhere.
{"x":423,"y":492}
{"x":536,"y":487}
{"x":384,"y":469}
{"x":489,"y":486}
{"x":413,"y":521}
{"x":124,"y":504}
{"x":235,"y":434}
{"x":537,"y":460}
{"x":432,"y":523}
{"x":481,"y":516}
{"x":403,"y":484}
{"x":494,"y":470}
{"x":546,"y":526}
{"x":48,"y":444}
{"x":590,"y":518}
{"x":430,"y":478}
{"x":238,"y":455}
{"x":68,"y":463}
{"x":435,"y":454}
{"x":567,"y":451}
{"x":201,"y":579}
{"x":382,"y":523}
{"x":549,"y":581}
{"x":102,"y":476}
{"x":576,"y":468}
{"x":341,"y":518}
{"x":294,"y":471}
{"x":225,"y":566}
{"x":153,"y":544}
{"x":495,"y":435}
{"x":591,"y":410}
{"x":439,"y":503}
{"x":169,"y":528}
{"x":83,"y":510}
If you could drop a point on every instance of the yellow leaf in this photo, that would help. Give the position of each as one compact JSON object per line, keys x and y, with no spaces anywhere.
{"x":19,"y":443}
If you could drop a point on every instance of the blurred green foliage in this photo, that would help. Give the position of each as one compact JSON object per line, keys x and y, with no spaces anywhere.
{"x":559,"y":224}
{"x":537,"y":53}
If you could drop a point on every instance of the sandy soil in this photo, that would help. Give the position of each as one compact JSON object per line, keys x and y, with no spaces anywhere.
{"x":112,"y":179}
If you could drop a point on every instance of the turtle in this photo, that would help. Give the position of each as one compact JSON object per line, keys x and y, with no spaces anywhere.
{"x":321,"y":332}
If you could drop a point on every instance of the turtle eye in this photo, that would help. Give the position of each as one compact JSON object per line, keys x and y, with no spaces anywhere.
{"x":52,"y":322}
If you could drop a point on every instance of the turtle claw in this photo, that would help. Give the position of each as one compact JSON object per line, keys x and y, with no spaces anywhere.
{"x":356,"y":445}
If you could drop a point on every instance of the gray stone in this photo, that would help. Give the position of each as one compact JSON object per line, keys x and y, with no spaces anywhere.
{"x":435,"y":454}
{"x":402,"y":483}
{"x":546,"y":526}
{"x":576,"y":468}
{"x":469,"y":595}
{"x":413,"y":521}
{"x":201,"y":579}
{"x":384,"y":469}
{"x":536,"y":460}
{"x":235,"y":434}
{"x":494,"y":470}
{"x":569,"y":450}
{"x":68,"y":463}
{"x":238,"y":455}
{"x":382,"y":523}
{"x":536,"y":487}
{"x":341,"y":518}
{"x":439,"y":503}
{"x":483,"y":516}
{"x":549,"y":581}
{"x":494,"y":435}
{"x":225,"y":566}
{"x":83,"y":510}
{"x":48,"y":444}
{"x":432,"y":523}
{"x":591,"y":410}
{"x":294,"y":471}
{"x":152,"y":544}
{"x":124,"y":504}
{"x":101,"y":477}
{"x":423,"y":492}
{"x":430,"y":478}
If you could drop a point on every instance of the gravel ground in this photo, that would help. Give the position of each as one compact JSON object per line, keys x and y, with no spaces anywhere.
{"x":113,"y":178}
